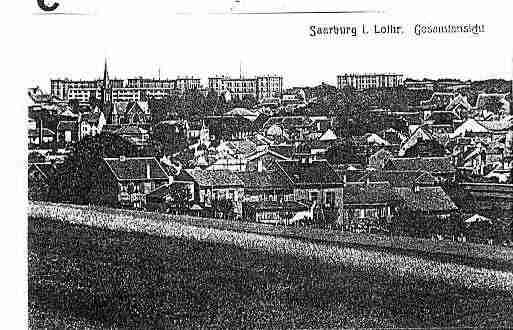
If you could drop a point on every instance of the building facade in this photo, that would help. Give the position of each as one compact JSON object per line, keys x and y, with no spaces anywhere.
{"x":259,"y":87}
{"x":119,"y":90}
{"x":362,"y":81}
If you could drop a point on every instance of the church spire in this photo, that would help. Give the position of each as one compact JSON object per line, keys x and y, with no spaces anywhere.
{"x":106,"y":88}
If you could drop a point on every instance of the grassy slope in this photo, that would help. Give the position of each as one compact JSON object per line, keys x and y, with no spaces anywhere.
{"x":95,"y":277}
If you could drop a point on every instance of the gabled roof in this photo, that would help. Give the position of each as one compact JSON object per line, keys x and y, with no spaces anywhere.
{"x":122,"y":108}
{"x":329,"y":135}
{"x":266,"y":151}
{"x":288,"y":122}
{"x":426,"y":199}
{"x":136,"y":168}
{"x":428,"y":164}
{"x":363,"y":193}
{"x":264,"y":180}
{"x":46,"y":169}
{"x":310,"y":173}
{"x":421,"y":133}
{"x":439,"y":99}
{"x":67,"y":126}
{"x":215,"y":178}
{"x":287,"y":150}
{"x":496,"y":125}
{"x":243,"y":147}
{"x":35,"y":133}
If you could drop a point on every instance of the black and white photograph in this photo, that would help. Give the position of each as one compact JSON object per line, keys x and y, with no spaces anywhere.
{"x":264,"y":165}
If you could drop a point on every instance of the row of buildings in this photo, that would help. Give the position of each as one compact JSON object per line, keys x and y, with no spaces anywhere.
{"x":259,"y":87}
{"x":141,"y":89}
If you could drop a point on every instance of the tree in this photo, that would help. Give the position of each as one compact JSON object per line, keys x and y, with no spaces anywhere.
{"x":181,"y":196}
{"x":223,"y":206}
{"x":36,"y":157}
{"x":82,"y":179}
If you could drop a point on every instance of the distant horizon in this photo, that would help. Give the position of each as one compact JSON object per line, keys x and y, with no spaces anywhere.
{"x":333,"y":82}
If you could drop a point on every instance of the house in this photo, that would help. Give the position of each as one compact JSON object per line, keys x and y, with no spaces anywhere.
{"x":39,"y":181}
{"x":460,"y":107}
{"x":476,"y":158}
{"x":329,"y":135}
{"x":128,"y":180}
{"x":138,"y":136}
{"x":130,"y":113}
{"x":483,"y":129}
{"x":266,"y":186}
{"x":440,"y":122}
{"x":244,"y":155}
{"x":423,"y":210}
{"x":243,"y":112}
{"x":314,"y":181}
{"x":90,"y":123}
{"x":441,"y":168}
{"x":367,"y":206}
{"x":273,"y":212}
{"x":67,"y":132}
{"x":439,"y":99}
{"x":40,"y":137}
{"x":423,"y":142}
{"x":211,"y":186}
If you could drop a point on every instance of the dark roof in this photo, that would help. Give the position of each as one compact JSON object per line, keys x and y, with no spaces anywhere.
{"x":269,"y":206}
{"x":309,"y":173}
{"x":136,"y":168}
{"x":162,"y":191}
{"x":216,"y":178}
{"x":287,"y":150}
{"x":426,"y":199}
{"x":264,"y":180}
{"x":288,"y":122}
{"x":46,"y":169}
{"x":67,"y":126}
{"x":35,"y":133}
{"x":369,"y":193}
{"x":428,"y":164}
{"x":402,"y":178}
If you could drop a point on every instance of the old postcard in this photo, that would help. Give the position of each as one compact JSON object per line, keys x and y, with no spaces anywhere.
{"x":266,"y":164}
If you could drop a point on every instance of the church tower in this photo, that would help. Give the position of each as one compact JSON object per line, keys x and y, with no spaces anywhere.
{"x":106,"y":89}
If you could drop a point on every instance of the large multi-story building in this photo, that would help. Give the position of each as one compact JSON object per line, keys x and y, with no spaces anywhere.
{"x":259,"y":87}
{"x":134,"y":89}
{"x":362,"y":81}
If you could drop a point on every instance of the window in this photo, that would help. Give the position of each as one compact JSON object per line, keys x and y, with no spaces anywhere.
{"x":330,"y":199}
{"x":314,"y":195}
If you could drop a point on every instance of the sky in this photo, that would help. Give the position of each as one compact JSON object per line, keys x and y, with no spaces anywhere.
{"x":195,"y":38}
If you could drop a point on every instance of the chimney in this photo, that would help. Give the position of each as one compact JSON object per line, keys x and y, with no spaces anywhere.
{"x":148,"y":170}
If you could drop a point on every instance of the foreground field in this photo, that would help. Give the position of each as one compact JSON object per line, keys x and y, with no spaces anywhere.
{"x":193,"y":277}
